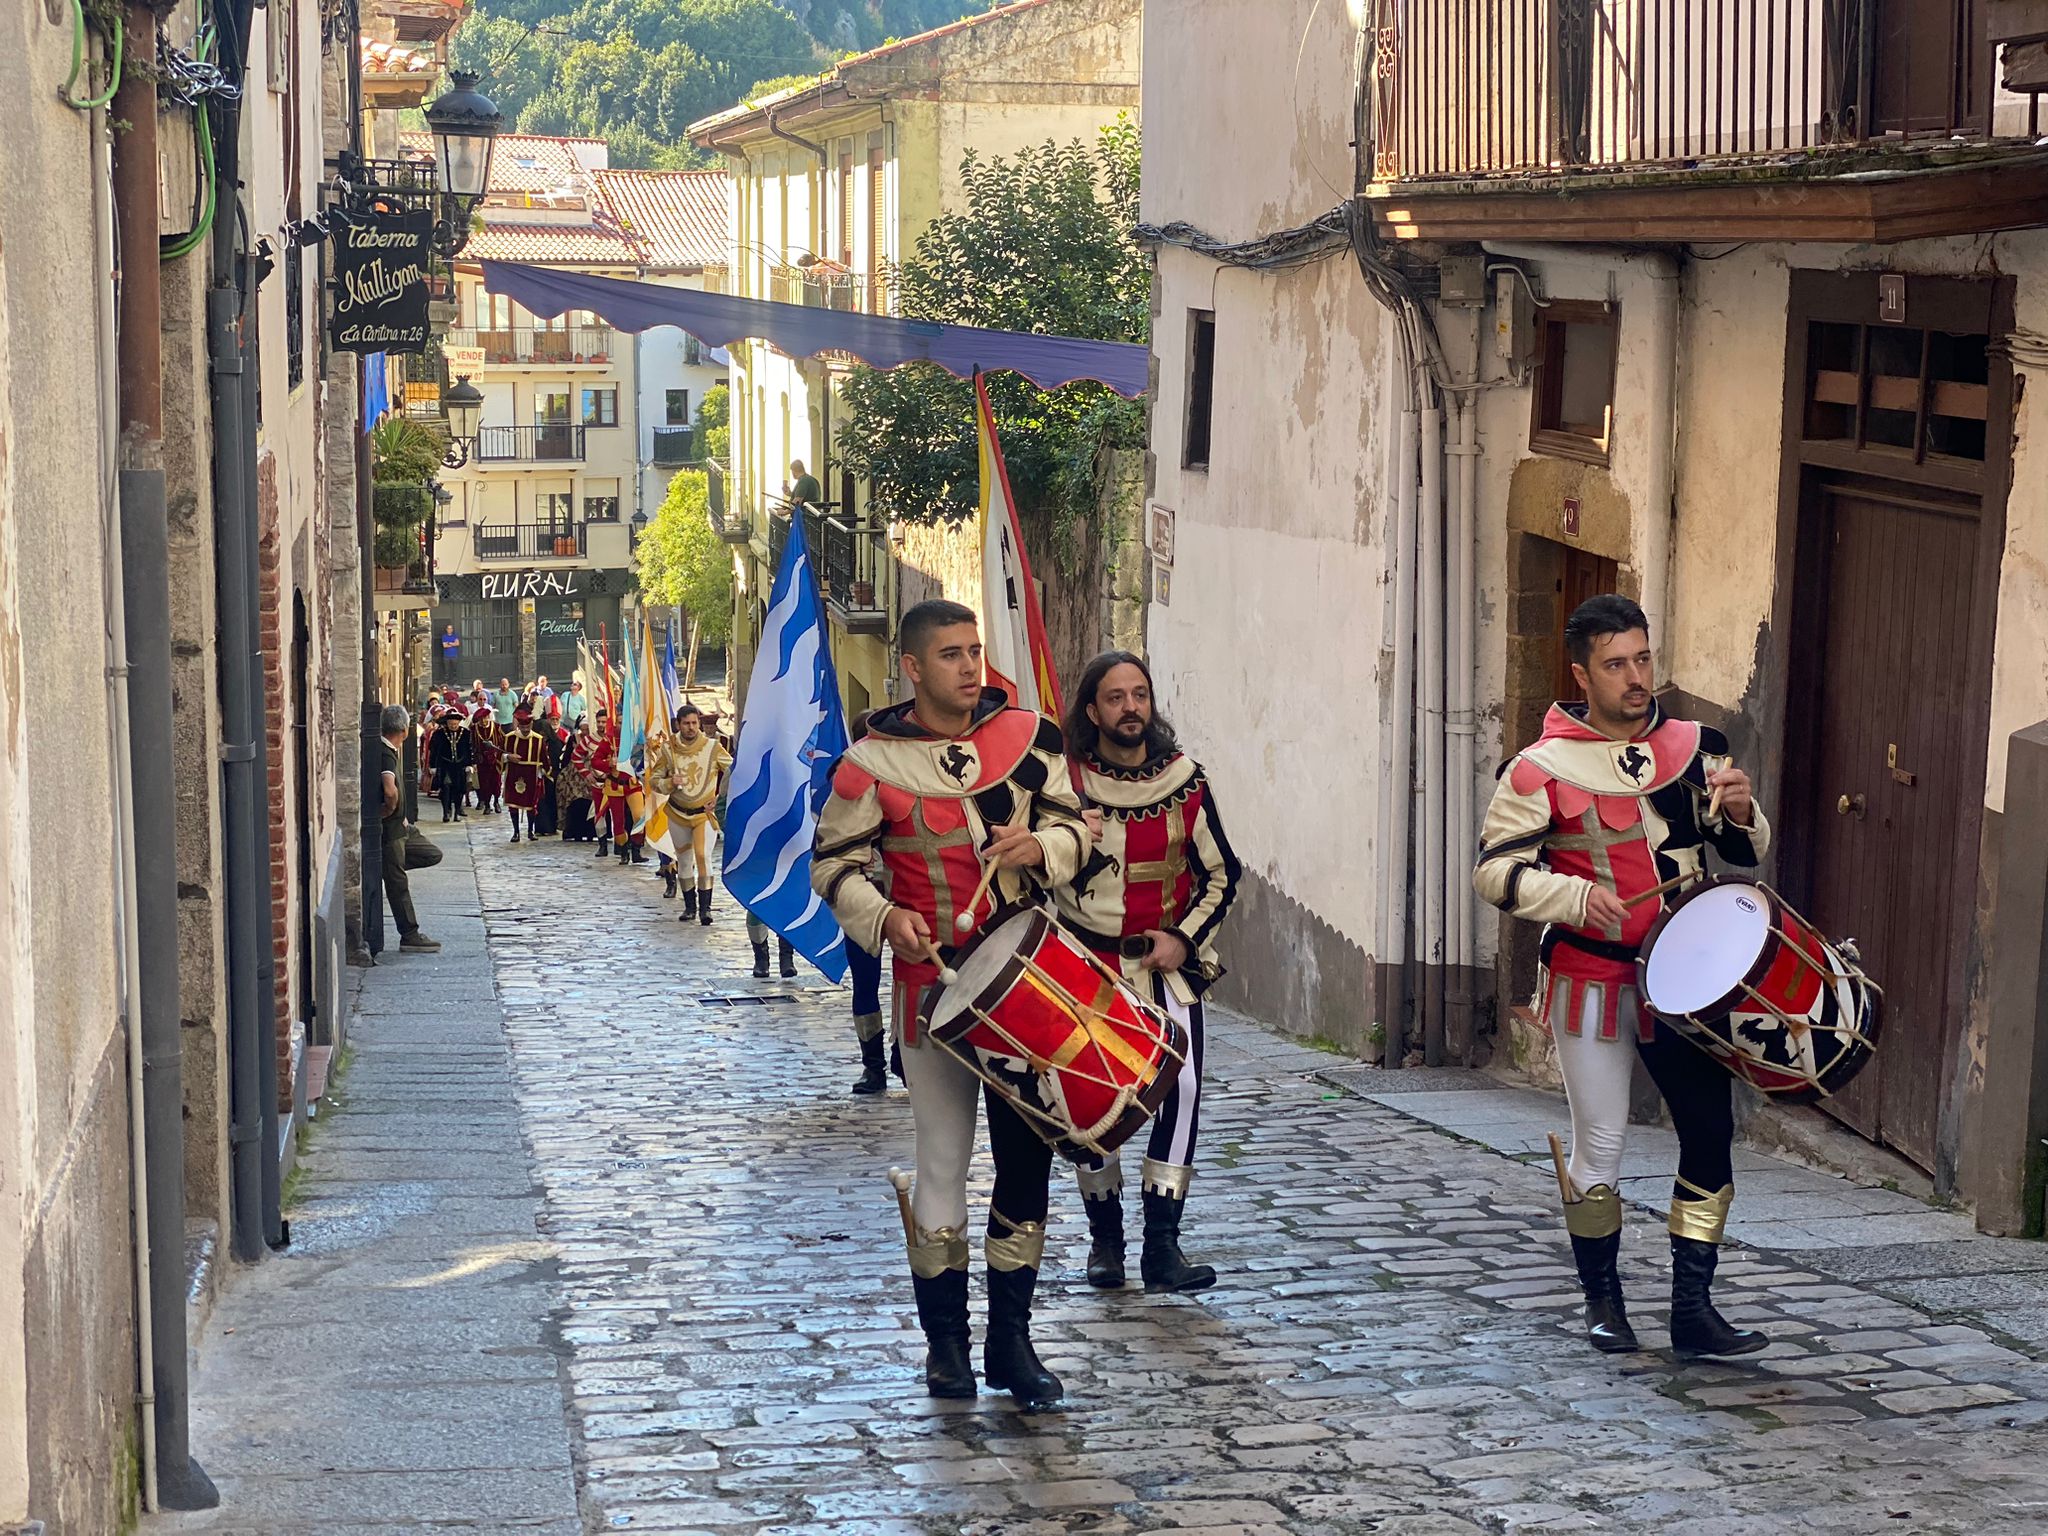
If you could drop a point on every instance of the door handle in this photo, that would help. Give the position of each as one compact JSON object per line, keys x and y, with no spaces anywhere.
{"x":1850,"y":805}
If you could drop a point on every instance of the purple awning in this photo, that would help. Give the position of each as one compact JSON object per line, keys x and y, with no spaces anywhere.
{"x":881,"y":341}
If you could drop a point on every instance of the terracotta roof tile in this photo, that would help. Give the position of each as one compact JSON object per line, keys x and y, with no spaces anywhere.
{"x":677,"y":218}
{"x":528,"y":162}
{"x":397,"y":59}
{"x":552,"y":244}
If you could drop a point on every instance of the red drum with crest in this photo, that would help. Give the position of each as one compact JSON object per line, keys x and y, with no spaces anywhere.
{"x":1741,"y":975}
{"x":1070,"y":1045}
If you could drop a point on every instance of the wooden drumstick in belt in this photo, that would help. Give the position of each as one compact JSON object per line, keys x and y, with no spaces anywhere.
{"x":900,"y":1182}
{"x":1564,"y":1183}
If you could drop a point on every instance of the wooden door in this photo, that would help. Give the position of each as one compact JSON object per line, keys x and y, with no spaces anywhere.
{"x":1893,"y":776}
{"x":1585,"y":575}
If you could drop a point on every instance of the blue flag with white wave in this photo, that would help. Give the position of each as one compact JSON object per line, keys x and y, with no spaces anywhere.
{"x":791,"y":733}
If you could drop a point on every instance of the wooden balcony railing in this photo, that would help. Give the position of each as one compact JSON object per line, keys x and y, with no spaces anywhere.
{"x":1497,"y":87}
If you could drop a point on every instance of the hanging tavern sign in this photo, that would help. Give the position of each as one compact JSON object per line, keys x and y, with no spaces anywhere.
{"x":380,"y":283}
{"x":529,"y":584}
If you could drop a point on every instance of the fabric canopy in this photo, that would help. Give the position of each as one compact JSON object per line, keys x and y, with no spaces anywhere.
{"x":881,"y":341}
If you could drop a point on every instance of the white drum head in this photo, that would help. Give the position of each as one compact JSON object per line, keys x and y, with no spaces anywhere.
{"x":998,"y":947}
{"x":1707,"y":945}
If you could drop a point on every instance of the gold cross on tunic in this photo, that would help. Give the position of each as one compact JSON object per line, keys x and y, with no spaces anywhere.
{"x":1165,"y":872}
{"x":931,"y":846}
{"x":1596,"y":839}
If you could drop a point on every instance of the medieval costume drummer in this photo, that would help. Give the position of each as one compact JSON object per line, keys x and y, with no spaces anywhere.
{"x":1148,"y":901}
{"x":526,"y":758}
{"x":1612,"y":801}
{"x":689,"y":772}
{"x":938,"y":786}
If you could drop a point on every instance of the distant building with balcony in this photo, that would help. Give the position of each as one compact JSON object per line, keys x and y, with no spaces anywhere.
{"x":831,"y":181}
{"x":582,"y":425}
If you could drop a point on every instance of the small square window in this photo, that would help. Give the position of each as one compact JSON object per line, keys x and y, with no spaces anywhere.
{"x":1201,"y":388}
{"x":600,"y":407}
{"x":678,"y":405}
{"x":1574,"y":396}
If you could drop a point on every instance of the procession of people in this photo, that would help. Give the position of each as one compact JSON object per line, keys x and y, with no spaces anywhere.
{"x":1051,"y":894}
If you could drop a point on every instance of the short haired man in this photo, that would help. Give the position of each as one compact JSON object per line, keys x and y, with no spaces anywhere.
{"x":575,"y":705}
{"x":1148,"y":901}
{"x":503,"y":702}
{"x":686,"y":770}
{"x":404,"y":848}
{"x":804,"y":489}
{"x":1614,"y":799}
{"x":526,"y":772}
{"x":937,"y":787}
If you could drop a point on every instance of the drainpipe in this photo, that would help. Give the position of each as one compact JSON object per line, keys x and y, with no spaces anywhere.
{"x":243,"y":833}
{"x":1660,"y":407}
{"x":1430,"y":711}
{"x":1461,"y":331}
{"x":1397,"y":782}
{"x":139,"y":605}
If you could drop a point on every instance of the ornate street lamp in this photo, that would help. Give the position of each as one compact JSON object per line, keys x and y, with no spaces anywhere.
{"x":465,"y":406}
{"x":465,"y":124}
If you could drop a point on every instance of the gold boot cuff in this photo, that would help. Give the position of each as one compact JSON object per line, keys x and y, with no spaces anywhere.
{"x":1021,"y":1247}
{"x":936,"y":1252}
{"x":1101,"y":1183}
{"x":1705,"y":1219}
{"x":866,"y":1026}
{"x":1597,"y":1213}
{"x":1157,"y":1178}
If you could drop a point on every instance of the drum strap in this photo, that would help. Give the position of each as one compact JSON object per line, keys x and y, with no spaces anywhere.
{"x":1604,"y":949}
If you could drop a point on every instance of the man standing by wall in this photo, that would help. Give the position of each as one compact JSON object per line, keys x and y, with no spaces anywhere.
{"x":404,"y":848}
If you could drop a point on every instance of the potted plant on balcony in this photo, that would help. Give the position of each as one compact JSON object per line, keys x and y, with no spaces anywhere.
{"x":405,"y":454}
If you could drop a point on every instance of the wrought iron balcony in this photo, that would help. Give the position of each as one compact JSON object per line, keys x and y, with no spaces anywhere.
{"x":580,"y":346}
{"x":675,"y":445}
{"x":850,"y":563}
{"x":528,"y":541}
{"x":555,"y":442}
{"x":728,"y":520}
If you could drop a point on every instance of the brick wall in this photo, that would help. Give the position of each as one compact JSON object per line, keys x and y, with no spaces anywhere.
{"x":270,"y":627}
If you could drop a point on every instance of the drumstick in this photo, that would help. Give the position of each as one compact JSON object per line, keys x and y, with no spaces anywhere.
{"x":1656,"y":890}
{"x":1564,"y":1183}
{"x":1714,"y":803}
{"x":965,"y":920}
{"x":900,"y":1182}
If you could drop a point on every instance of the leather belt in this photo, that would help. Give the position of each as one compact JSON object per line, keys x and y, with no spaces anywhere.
{"x":1131,"y":947}
{"x":1602,"y":949}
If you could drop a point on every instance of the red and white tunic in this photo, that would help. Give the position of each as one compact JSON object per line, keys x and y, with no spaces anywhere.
{"x":1162,"y":865}
{"x":1578,"y":809}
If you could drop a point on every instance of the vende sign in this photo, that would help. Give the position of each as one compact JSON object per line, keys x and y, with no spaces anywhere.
{"x":463,"y":361}
{"x":380,"y":283}
{"x":529,"y":584}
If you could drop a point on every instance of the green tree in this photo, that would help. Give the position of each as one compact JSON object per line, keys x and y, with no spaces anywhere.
{"x":1041,"y":243}
{"x":714,"y":423}
{"x":683,"y":563}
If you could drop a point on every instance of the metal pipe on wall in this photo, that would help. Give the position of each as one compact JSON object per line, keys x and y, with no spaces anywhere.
{"x":1430,"y":711}
{"x":1462,"y":333}
{"x":1398,"y":774}
{"x":138,"y":623}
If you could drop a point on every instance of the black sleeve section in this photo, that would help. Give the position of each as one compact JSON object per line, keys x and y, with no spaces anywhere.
{"x":1513,"y":845}
{"x":1712,"y":741}
{"x":844,"y":844}
{"x":997,"y":804}
{"x":1511,"y":894}
{"x":1680,"y":806}
{"x":1228,"y":874}
{"x":832,"y":889}
{"x":1049,"y":739}
{"x":1733,"y":844}
{"x":1029,"y":774}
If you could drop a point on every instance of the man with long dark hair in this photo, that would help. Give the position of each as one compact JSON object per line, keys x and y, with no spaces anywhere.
{"x":1148,"y":900}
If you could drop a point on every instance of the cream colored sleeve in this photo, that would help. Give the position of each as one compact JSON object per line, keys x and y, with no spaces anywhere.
{"x":848,"y":829}
{"x":1056,"y":820}
{"x":1509,"y":874}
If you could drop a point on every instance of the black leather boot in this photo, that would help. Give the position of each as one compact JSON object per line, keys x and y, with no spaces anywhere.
{"x":689,"y":912}
{"x":1160,"y":1261}
{"x":1007,"y":1359}
{"x":604,"y":844}
{"x":871,"y":1079}
{"x":760,"y":959}
{"x":1106,"y":1241}
{"x":704,"y":909}
{"x":669,"y":882}
{"x":788,"y":956}
{"x":639,"y":855}
{"x":1607,"y":1327}
{"x":1696,"y":1328}
{"x":623,"y":850}
{"x":942,"y":1313}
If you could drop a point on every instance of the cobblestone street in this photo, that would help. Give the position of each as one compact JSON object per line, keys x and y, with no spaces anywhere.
{"x":1389,"y":1349}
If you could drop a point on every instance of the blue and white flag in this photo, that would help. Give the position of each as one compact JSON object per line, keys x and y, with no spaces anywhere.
{"x":791,"y":733}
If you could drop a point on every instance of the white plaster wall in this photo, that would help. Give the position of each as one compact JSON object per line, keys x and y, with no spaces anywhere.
{"x":1268,"y":653}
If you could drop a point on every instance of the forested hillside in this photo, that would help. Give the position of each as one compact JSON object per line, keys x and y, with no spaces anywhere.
{"x":637,"y":72}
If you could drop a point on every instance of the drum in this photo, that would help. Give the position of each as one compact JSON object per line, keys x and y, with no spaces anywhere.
{"x":1735,"y":970}
{"x":1070,"y":1045}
